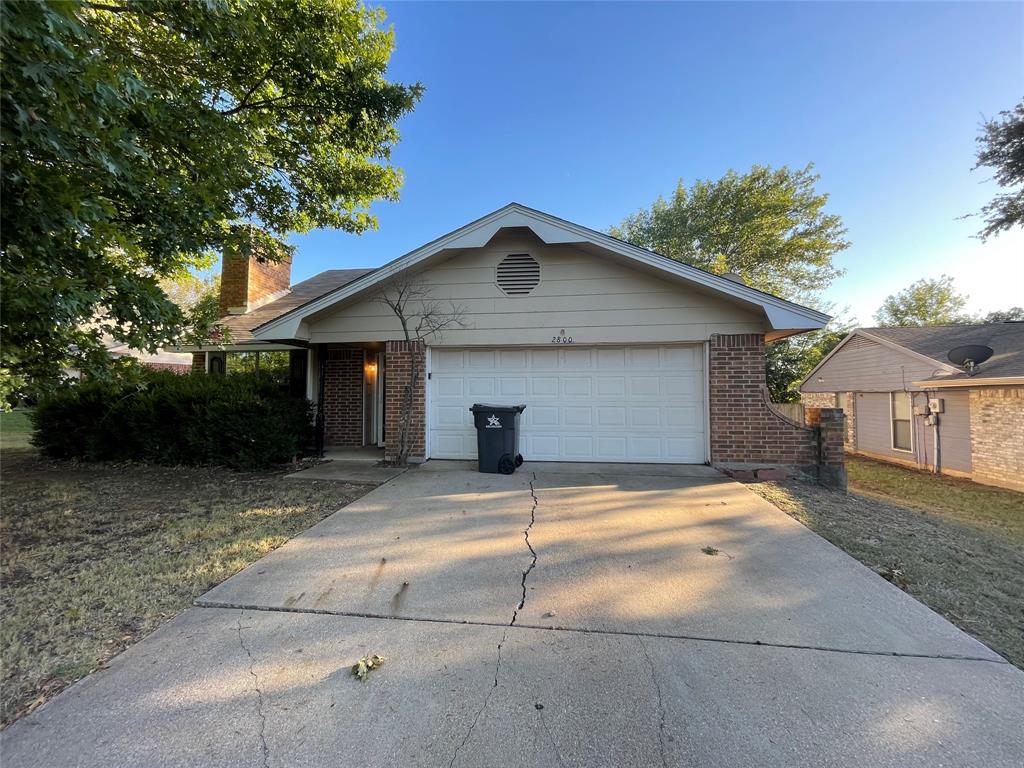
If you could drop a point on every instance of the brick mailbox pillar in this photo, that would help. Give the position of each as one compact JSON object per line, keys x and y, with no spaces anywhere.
{"x":829,"y":426}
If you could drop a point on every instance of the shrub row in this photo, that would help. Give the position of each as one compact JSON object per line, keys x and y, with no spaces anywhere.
{"x":236,"y":421}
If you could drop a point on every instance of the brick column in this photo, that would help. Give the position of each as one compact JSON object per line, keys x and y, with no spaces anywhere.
{"x":831,"y":432}
{"x":398,"y":358}
{"x":198,"y":362}
{"x":745,"y":429}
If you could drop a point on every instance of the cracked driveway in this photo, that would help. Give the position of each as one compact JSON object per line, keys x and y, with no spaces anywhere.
{"x":563,"y":616}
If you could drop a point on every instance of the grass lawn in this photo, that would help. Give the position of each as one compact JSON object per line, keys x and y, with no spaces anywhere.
{"x":96,"y":556}
{"x":956,"y":546}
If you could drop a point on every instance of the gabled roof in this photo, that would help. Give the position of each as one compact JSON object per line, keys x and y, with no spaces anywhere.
{"x":933,"y":343}
{"x":300,"y":294}
{"x":784,"y":316}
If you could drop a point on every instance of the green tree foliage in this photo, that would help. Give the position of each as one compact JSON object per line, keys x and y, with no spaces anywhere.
{"x":138,"y":137}
{"x":768,"y":225}
{"x":925,"y":302}
{"x":1004,"y":315}
{"x":1001,"y":148}
{"x":790,"y":360}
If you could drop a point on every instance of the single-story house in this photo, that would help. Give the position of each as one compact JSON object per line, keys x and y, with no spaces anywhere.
{"x":908,"y":403}
{"x":620,"y":354}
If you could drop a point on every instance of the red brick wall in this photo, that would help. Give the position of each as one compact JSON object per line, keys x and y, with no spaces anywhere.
{"x":343,"y":398}
{"x":198,"y":362}
{"x":398,"y":359}
{"x":744,"y":428}
{"x":245,"y":280}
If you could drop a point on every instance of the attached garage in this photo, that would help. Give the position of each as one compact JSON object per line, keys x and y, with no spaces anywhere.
{"x":614,"y":403}
{"x":618,"y":353}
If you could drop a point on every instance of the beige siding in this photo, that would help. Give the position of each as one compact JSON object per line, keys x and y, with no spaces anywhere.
{"x":864,"y":365}
{"x":593,"y":299}
{"x":874,"y":426}
{"x":954,"y":432}
{"x":874,"y":435}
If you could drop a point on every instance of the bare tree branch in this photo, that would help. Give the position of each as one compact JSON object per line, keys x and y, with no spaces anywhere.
{"x":422,"y":317}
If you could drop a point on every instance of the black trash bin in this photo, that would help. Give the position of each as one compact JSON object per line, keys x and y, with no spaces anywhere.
{"x":497,"y":437}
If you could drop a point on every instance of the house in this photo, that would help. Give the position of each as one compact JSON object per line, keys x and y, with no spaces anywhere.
{"x":621,"y":355}
{"x":908,"y":403}
{"x":161,"y":360}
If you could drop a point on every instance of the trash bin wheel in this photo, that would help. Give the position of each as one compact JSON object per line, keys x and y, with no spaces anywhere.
{"x":506,"y":465}
{"x":519,"y":459}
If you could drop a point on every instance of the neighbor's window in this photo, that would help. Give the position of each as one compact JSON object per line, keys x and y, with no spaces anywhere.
{"x":901,"y":433}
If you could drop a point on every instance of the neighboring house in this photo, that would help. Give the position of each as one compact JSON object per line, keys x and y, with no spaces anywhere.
{"x":621,"y":355}
{"x":178,"y":362}
{"x":885,"y":378}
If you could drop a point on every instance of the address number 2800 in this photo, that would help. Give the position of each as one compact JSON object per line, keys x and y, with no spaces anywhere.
{"x":561,"y":339}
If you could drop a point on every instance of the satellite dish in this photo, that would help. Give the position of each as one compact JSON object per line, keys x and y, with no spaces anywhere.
{"x":969,"y":356}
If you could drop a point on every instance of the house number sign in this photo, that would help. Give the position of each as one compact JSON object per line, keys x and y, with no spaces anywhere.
{"x":561,"y":338}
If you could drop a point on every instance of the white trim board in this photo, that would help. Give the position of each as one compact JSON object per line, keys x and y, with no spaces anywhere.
{"x":782,"y":315}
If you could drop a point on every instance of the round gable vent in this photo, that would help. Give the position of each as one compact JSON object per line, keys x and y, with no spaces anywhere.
{"x":518,"y":274}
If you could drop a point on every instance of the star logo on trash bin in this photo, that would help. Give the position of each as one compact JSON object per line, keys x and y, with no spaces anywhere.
{"x":493,"y":421}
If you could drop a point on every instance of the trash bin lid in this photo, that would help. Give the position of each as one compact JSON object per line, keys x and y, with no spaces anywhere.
{"x":490,"y":407}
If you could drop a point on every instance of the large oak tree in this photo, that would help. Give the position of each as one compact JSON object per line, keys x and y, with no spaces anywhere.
{"x":139,"y":137}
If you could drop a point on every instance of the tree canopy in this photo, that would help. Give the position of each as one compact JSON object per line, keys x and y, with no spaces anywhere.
{"x":768,"y":226}
{"x":1001,"y":148}
{"x":925,"y":302}
{"x":137,"y":138}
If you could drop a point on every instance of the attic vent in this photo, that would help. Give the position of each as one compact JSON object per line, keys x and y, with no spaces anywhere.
{"x":518,"y":274}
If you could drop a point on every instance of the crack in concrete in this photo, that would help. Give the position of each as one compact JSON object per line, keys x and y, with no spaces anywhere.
{"x":551,"y":738}
{"x":661,"y":703}
{"x":526,"y":536}
{"x":609,"y":632}
{"x":483,"y":706}
{"x":264,"y":749}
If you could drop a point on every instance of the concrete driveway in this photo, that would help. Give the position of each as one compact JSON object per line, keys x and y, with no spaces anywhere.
{"x":564,"y":616}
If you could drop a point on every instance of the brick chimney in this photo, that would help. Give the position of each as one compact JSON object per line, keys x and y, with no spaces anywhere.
{"x":247,"y":281}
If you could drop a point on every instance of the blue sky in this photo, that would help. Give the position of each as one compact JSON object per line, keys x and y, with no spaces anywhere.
{"x":590,"y":111}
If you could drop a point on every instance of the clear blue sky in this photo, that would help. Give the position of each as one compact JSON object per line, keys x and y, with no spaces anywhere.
{"x":590,"y":111}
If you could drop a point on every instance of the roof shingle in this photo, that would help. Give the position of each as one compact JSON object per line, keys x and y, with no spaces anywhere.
{"x":1005,"y":339}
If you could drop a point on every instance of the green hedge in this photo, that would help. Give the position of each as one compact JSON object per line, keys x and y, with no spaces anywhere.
{"x":235,"y":421}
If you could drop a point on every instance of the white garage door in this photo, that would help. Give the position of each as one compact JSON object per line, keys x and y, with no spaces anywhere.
{"x":628,"y":404}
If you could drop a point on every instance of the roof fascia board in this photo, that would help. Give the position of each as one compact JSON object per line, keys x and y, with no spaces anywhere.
{"x":553,"y":230}
{"x":974,"y":381}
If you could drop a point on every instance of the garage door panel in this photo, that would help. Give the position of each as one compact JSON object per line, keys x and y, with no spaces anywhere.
{"x":617,"y":404}
{"x":645,"y":417}
{"x":542,"y":359}
{"x":681,"y":386}
{"x":645,"y":386}
{"x":544,"y":386}
{"x":611,"y":386}
{"x":577,"y":416}
{"x":512,"y":388}
{"x":515,"y":359}
{"x":542,"y":416}
{"x":611,"y":359}
{"x":611,"y":416}
{"x":576,"y":358}
{"x":578,"y":447}
{"x":611,"y":448}
{"x":542,"y":447}
{"x":577,"y":387}
{"x":478,"y":387}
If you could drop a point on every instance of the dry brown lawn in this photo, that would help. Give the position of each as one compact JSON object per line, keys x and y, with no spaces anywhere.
{"x":956,"y":546}
{"x":95,"y":557}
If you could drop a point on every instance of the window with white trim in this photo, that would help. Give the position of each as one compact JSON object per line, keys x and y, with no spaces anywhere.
{"x":901,"y":410}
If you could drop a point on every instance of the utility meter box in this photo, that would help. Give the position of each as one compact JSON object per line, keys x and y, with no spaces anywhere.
{"x":935,"y":405}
